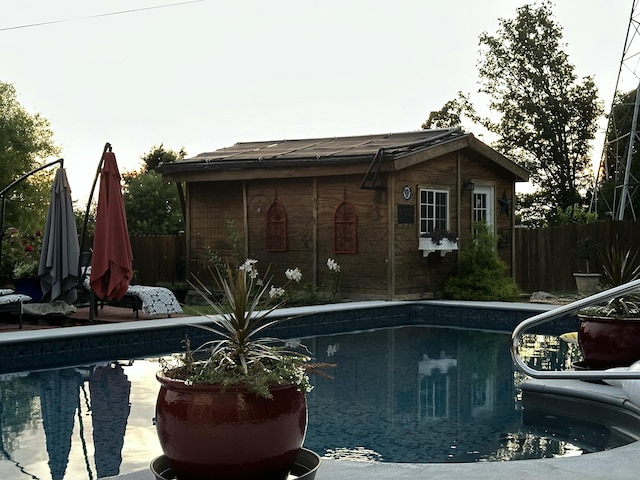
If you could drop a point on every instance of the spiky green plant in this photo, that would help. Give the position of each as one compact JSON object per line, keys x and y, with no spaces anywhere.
{"x":240,"y":353}
{"x":619,"y":265}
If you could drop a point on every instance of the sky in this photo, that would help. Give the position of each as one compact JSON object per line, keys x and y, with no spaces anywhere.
{"x":203,"y":75}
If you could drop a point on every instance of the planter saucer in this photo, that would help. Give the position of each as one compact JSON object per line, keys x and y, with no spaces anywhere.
{"x":307,"y":463}
{"x":580,"y":365}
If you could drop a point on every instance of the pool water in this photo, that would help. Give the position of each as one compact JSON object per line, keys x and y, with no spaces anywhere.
{"x":406,"y":394}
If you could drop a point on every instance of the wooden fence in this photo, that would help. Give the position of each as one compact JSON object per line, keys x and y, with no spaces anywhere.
{"x":545,"y":258}
{"x":157,"y":259}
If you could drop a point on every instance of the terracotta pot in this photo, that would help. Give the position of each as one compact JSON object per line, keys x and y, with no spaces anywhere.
{"x":207,"y":432}
{"x":607,"y":342}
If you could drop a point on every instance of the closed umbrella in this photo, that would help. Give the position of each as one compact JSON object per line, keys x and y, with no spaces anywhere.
{"x":60,"y":250}
{"x":111,"y":261}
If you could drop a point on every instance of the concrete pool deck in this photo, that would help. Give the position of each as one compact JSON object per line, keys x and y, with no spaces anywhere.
{"x":619,"y":463}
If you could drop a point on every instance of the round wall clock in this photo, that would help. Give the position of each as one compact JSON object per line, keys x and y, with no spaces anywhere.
{"x":406,"y":192}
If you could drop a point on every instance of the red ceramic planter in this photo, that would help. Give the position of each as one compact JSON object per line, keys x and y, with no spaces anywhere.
{"x":207,"y":432}
{"x":607,"y":342}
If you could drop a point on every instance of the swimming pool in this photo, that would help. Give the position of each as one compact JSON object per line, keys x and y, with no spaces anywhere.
{"x":400,"y":394}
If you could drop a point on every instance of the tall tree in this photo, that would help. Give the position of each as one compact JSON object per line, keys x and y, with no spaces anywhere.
{"x":152,"y":204}
{"x":25,"y":142}
{"x":452,"y":113}
{"x":546,"y":117}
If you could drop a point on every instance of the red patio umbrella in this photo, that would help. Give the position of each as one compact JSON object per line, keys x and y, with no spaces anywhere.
{"x":111,"y":261}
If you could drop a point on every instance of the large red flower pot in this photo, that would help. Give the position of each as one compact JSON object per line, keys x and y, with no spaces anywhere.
{"x":607,"y":342}
{"x":209,"y":432}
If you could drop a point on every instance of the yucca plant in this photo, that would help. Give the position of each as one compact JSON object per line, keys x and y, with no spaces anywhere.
{"x":619,"y":265}
{"x":239,"y":353}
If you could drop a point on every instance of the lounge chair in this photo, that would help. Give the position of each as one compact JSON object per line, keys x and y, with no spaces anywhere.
{"x":11,"y":302}
{"x":151,"y":300}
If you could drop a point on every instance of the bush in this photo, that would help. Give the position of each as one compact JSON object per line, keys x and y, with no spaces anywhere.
{"x":481,"y":273}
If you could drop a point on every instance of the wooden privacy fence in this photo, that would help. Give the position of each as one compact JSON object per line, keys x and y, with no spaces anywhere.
{"x":157,"y":259}
{"x":545,"y":258}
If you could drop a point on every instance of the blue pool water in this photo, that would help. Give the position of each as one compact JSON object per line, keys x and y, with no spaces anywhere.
{"x":405,"y":394}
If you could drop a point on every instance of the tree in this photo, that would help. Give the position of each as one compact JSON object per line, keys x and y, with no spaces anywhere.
{"x":451,"y":113}
{"x":481,"y":272}
{"x":25,"y":142}
{"x":546,"y":117}
{"x":152,"y":204}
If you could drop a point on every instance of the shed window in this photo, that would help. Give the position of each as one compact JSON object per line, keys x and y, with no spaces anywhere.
{"x":276,"y":228}
{"x":344,"y":229}
{"x":434,"y":211}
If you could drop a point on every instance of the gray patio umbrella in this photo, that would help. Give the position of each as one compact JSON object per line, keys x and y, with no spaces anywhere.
{"x":58,"y":268}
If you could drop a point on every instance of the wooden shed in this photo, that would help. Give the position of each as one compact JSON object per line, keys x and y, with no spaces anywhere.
{"x":373,"y":203}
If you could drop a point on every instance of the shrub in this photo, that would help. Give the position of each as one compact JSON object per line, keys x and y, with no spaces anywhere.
{"x":481,"y":273}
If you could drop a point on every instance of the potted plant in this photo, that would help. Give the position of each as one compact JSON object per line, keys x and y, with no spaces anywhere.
{"x":240,"y":411}
{"x":609,"y":334}
{"x":586,"y":282}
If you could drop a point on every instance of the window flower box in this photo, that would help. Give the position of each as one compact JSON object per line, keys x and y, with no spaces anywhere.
{"x":442,"y":243}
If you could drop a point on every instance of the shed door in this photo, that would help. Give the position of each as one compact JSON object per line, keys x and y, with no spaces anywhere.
{"x":483,"y":209}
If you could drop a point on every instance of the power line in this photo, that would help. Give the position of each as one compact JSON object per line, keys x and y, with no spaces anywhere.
{"x":121,"y":12}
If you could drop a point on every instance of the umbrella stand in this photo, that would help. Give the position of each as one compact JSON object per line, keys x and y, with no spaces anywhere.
{"x":107,"y":148}
{"x":13,"y":184}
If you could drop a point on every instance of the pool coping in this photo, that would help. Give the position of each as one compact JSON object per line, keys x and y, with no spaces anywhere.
{"x":616,"y":463}
{"x":29,"y":350}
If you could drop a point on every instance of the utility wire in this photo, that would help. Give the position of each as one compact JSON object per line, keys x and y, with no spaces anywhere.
{"x":121,"y":12}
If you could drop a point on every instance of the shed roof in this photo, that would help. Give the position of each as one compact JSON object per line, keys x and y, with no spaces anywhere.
{"x":335,"y":150}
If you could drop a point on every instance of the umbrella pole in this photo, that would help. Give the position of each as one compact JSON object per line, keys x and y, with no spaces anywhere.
{"x":13,"y":184}
{"x":81,"y":272}
{"x":107,"y":148}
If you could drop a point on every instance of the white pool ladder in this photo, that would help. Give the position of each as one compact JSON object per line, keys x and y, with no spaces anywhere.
{"x":559,"y":312}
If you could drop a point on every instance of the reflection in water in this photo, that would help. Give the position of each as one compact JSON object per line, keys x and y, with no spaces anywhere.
{"x":59,"y":397}
{"x":420,"y":394}
{"x":110,"y":392}
{"x":57,"y":402}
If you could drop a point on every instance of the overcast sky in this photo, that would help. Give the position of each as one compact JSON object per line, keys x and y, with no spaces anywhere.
{"x":206,"y":74}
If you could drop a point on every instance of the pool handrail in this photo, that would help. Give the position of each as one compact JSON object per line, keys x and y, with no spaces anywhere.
{"x":559,"y":312}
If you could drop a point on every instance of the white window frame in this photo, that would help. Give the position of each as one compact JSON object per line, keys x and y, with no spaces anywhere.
{"x":430,"y":221}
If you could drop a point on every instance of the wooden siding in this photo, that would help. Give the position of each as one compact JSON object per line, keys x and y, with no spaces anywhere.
{"x":210,"y":206}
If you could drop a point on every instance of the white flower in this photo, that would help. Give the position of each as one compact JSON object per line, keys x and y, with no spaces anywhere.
{"x":276,"y":292}
{"x":249,"y":267}
{"x":294,"y":274}
{"x":333,"y":265}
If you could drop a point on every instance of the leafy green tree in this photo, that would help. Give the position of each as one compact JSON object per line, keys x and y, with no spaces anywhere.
{"x":452,"y":113}
{"x":542,"y":116}
{"x":546,"y":117}
{"x":25,"y":142}
{"x":152,"y":204}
